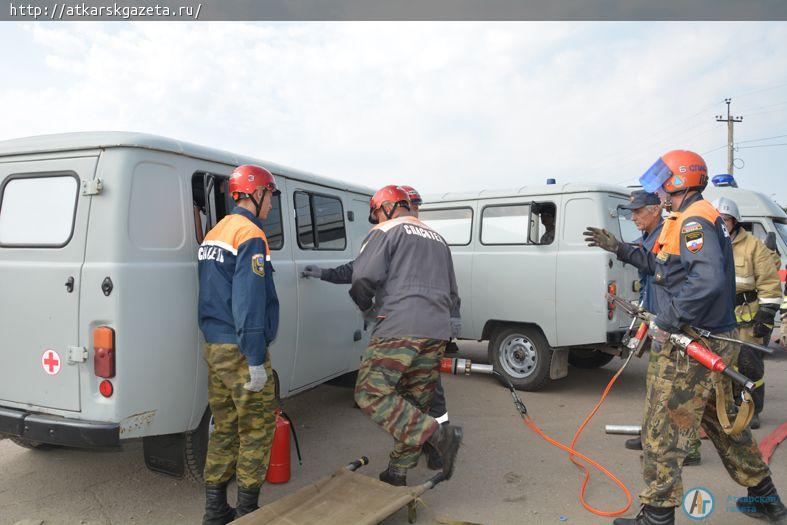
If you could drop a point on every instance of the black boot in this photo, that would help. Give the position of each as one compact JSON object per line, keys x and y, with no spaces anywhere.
{"x":634,"y":443}
{"x":446,"y":441}
{"x":394,"y":476}
{"x":649,"y":515}
{"x":763,"y":502}
{"x":248,"y":500}
{"x":217,"y":511}
{"x":433,"y":461}
{"x":755,"y":422}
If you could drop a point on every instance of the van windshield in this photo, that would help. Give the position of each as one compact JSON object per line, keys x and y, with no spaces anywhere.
{"x":781,"y":227}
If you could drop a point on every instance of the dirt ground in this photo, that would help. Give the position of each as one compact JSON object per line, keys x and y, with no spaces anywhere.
{"x":505,"y":473}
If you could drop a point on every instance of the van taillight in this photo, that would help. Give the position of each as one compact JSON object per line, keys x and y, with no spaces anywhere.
{"x":612,"y":289}
{"x":104,"y":351}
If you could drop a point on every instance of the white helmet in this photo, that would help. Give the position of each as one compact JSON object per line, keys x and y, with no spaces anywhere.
{"x":727,"y":207}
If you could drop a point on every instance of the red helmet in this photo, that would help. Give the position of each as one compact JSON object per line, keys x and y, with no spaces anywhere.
{"x":394,"y":195}
{"x":413,"y":195}
{"x":247,"y":178}
{"x":676,"y":171}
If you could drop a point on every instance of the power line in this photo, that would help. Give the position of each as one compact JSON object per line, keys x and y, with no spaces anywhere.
{"x":714,"y":149}
{"x":760,"y":140}
{"x":764,"y":145}
{"x":760,"y":90}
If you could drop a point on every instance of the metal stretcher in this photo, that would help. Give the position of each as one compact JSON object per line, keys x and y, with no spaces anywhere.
{"x":341,"y":498}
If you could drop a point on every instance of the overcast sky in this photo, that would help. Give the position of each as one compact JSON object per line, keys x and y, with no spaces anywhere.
{"x":440,"y":106}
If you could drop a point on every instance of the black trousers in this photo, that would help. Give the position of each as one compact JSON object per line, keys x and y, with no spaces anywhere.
{"x":751,"y":364}
{"x":438,"y":407}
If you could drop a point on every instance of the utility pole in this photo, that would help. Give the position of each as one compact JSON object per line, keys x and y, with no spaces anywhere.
{"x":730,"y":144}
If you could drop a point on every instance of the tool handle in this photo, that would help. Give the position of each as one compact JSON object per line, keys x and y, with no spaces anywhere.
{"x":739,"y":378}
{"x":358,"y":463}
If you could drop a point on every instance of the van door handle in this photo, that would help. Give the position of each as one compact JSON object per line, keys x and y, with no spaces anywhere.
{"x":70,"y":284}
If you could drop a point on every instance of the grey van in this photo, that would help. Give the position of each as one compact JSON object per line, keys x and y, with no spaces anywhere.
{"x":98,"y":241}
{"x":529,"y":284}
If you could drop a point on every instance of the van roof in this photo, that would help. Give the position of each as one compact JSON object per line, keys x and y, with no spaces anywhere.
{"x":125,"y":139}
{"x":546,"y":189}
{"x":750,"y":203}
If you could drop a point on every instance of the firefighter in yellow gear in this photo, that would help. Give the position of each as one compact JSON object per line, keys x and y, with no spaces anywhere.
{"x":758,"y":294}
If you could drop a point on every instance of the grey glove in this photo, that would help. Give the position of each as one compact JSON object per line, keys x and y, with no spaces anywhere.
{"x":601,"y":238}
{"x":258,"y":378}
{"x":456,"y":327}
{"x":312,"y":270}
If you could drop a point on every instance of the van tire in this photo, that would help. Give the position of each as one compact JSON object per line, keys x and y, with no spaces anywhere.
{"x":522,"y":355}
{"x":195,"y":450}
{"x":588,"y":358}
{"x":30,"y":444}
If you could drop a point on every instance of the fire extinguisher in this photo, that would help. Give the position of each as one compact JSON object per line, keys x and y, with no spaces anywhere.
{"x":279,"y":464}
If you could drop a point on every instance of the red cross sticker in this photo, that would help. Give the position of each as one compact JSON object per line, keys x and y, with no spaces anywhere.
{"x":51,"y":362}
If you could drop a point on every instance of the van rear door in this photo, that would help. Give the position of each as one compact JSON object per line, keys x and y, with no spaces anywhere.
{"x":43,"y":223}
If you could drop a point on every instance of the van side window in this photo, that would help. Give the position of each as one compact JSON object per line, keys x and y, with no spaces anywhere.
{"x":47,"y":224}
{"x":319,"y":220}
{"x":756,"y":229}
{"x":530,"y":223}
{"x":454,"y":224}
{"x":208,"y":212}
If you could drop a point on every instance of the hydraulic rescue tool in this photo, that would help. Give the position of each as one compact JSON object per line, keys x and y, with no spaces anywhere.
{"x":690,"y":343}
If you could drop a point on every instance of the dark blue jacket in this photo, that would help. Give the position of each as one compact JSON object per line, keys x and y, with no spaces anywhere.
{"x":646,"y":292}
{"x":237,"y":298}
{"x":692,"y":263}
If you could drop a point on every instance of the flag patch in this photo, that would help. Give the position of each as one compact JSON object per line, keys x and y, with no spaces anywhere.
{"x":694,"y":241}
{"x":691,"y":227}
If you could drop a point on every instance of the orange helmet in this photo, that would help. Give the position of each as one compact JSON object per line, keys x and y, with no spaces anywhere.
{"x":247,"y":178}
{"x":395,"y":195}
{"x":675,"y":171}
{"x":413,"y":195}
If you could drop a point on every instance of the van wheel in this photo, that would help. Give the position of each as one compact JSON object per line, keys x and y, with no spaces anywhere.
{"x":588,"y":358}
{"x":523,"y":355}
{"x":196,"y":448}
{"x":30,"y":444}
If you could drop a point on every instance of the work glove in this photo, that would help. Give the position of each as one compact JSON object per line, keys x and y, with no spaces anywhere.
{"x":456,"y":327}
{"x":312,"y":270}
{"x":657,"y":334}
{"x":763,"y":322}
{"x":601,"y":238}
{"x":258,"y":378}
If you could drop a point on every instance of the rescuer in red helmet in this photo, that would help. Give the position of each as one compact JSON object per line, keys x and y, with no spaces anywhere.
{"x":343,"y":275}
{"x":404,"y":277}
{"x":239,"y":317}
{"x":694,"y":271}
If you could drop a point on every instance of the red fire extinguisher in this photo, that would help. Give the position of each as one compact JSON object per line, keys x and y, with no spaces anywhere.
{"x":279,"y":464}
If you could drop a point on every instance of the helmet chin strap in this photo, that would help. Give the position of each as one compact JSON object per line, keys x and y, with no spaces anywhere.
{"x":257,"y":204}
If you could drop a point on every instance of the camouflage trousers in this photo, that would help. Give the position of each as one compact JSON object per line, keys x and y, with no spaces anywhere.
{"x":396,"y":383}
{"x":680,"y":398}
{"x":243,"y":421}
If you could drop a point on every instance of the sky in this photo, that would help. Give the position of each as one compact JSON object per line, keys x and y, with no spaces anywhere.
{"x":439,"y":106}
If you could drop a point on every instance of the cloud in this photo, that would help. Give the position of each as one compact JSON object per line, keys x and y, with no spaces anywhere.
{"x":436,"y":105}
